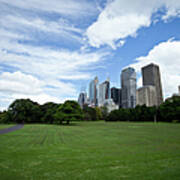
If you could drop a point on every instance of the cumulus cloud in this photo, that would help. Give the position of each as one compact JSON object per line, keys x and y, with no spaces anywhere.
{"x":167,"y":56}
{"x":19,"y":83}
{"x":32,"y":63}
{"x":42,"y":71}
{"x":121,"y":19}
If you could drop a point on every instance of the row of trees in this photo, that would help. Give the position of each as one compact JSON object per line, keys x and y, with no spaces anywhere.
{"x":169,"y":111}
{"x":27,"y":111}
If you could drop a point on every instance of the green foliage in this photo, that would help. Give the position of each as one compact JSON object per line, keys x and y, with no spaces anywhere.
{"x":140,"y":113}
{"x":69,"y":111}
{"x":27,"y":111}
{"x":170,"y":110}
{"x":119,"y":115}
{"x":48,"y":110}
{"x":98,"y":113}
{"x":104,"y":112}
{"x":24,"y":111}
{"x":90,"y":114}
{"x":5,"y":117}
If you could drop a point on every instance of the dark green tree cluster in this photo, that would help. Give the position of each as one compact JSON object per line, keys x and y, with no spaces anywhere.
{"x":169,"y":111}
{"x":140,"y":113}
{"x":27,"y":111}
{"x":94,"y":114}
{"x":48,"y":111}
{"x":69,"y":111}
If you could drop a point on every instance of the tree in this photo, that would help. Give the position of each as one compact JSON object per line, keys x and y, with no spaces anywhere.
{"x":69,"y":111}
{"x":140,"y":113}
{"x":113,"y":116}
{"x":169,"y":110}
{"x":48,"y":110}
{"x":24,"y":111}
{"x":98,"y":113}
{"x":104,"y":112}
{"x":90,"y":113}
{"x":5,"y":117}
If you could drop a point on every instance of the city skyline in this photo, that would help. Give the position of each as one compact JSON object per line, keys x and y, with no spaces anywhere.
{"x":50,"y":49}
{"x":128,"y":95}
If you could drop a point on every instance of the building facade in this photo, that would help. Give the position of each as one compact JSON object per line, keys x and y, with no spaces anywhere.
{"x":93,"y":92}
{"x":82,"y":99}
{"x":146,"y":95}
{"x":151,"y":76}
{"x":128,"y":85}
{"x":116,"y":95}
{"x":103,"y":92}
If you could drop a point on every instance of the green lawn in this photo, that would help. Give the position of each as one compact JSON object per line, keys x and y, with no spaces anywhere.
{"x":3,"y":126}
{"x":92,"y":150}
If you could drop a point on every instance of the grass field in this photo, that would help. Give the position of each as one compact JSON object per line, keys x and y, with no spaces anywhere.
{"x":91,"y":150}
{"x":3,"y":126}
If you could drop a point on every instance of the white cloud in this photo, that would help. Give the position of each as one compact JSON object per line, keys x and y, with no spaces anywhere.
{"x":121,"y":19}
{"x":28,"y":27}
{"x":19,"y":83}
{"x":41,"y":71}
{"x":167,"y":56}
{"x":46,"y":62}
{"x":68,"y":7}
{"x":30,"y":33}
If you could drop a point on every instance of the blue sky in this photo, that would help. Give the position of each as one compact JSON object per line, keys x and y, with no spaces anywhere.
{"x":50,"y":50}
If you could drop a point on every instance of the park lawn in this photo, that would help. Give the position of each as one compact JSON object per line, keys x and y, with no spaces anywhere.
{"x":92,"y":151}
{"x":4,"y":126}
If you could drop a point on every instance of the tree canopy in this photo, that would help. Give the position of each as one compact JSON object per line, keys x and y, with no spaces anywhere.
{"x":27,"y":111}
{"x":69,"y":111}
{"x":169,"y":111}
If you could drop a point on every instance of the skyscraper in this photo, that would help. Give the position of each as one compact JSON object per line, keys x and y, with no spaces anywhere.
{"x":128,"y":85}
{"x":146,"y":95}
{"x":103,"y":92}
{"x":82,"y":99}
{"x":116,"y":95}
{"x":93,"y":91}
{"x":151,"y":76}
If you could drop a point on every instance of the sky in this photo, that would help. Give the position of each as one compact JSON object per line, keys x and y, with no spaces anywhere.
{"x":50,"y":50}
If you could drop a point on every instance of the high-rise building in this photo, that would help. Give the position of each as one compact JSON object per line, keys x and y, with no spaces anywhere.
{"x":103,"y":92}
{"x":82,"y":99}
{"x":151,"y":76}
{"x":146,"y":95}
{"x":93,"y":92}
{"x":128,"y":85}
{"x":116,"y":95}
